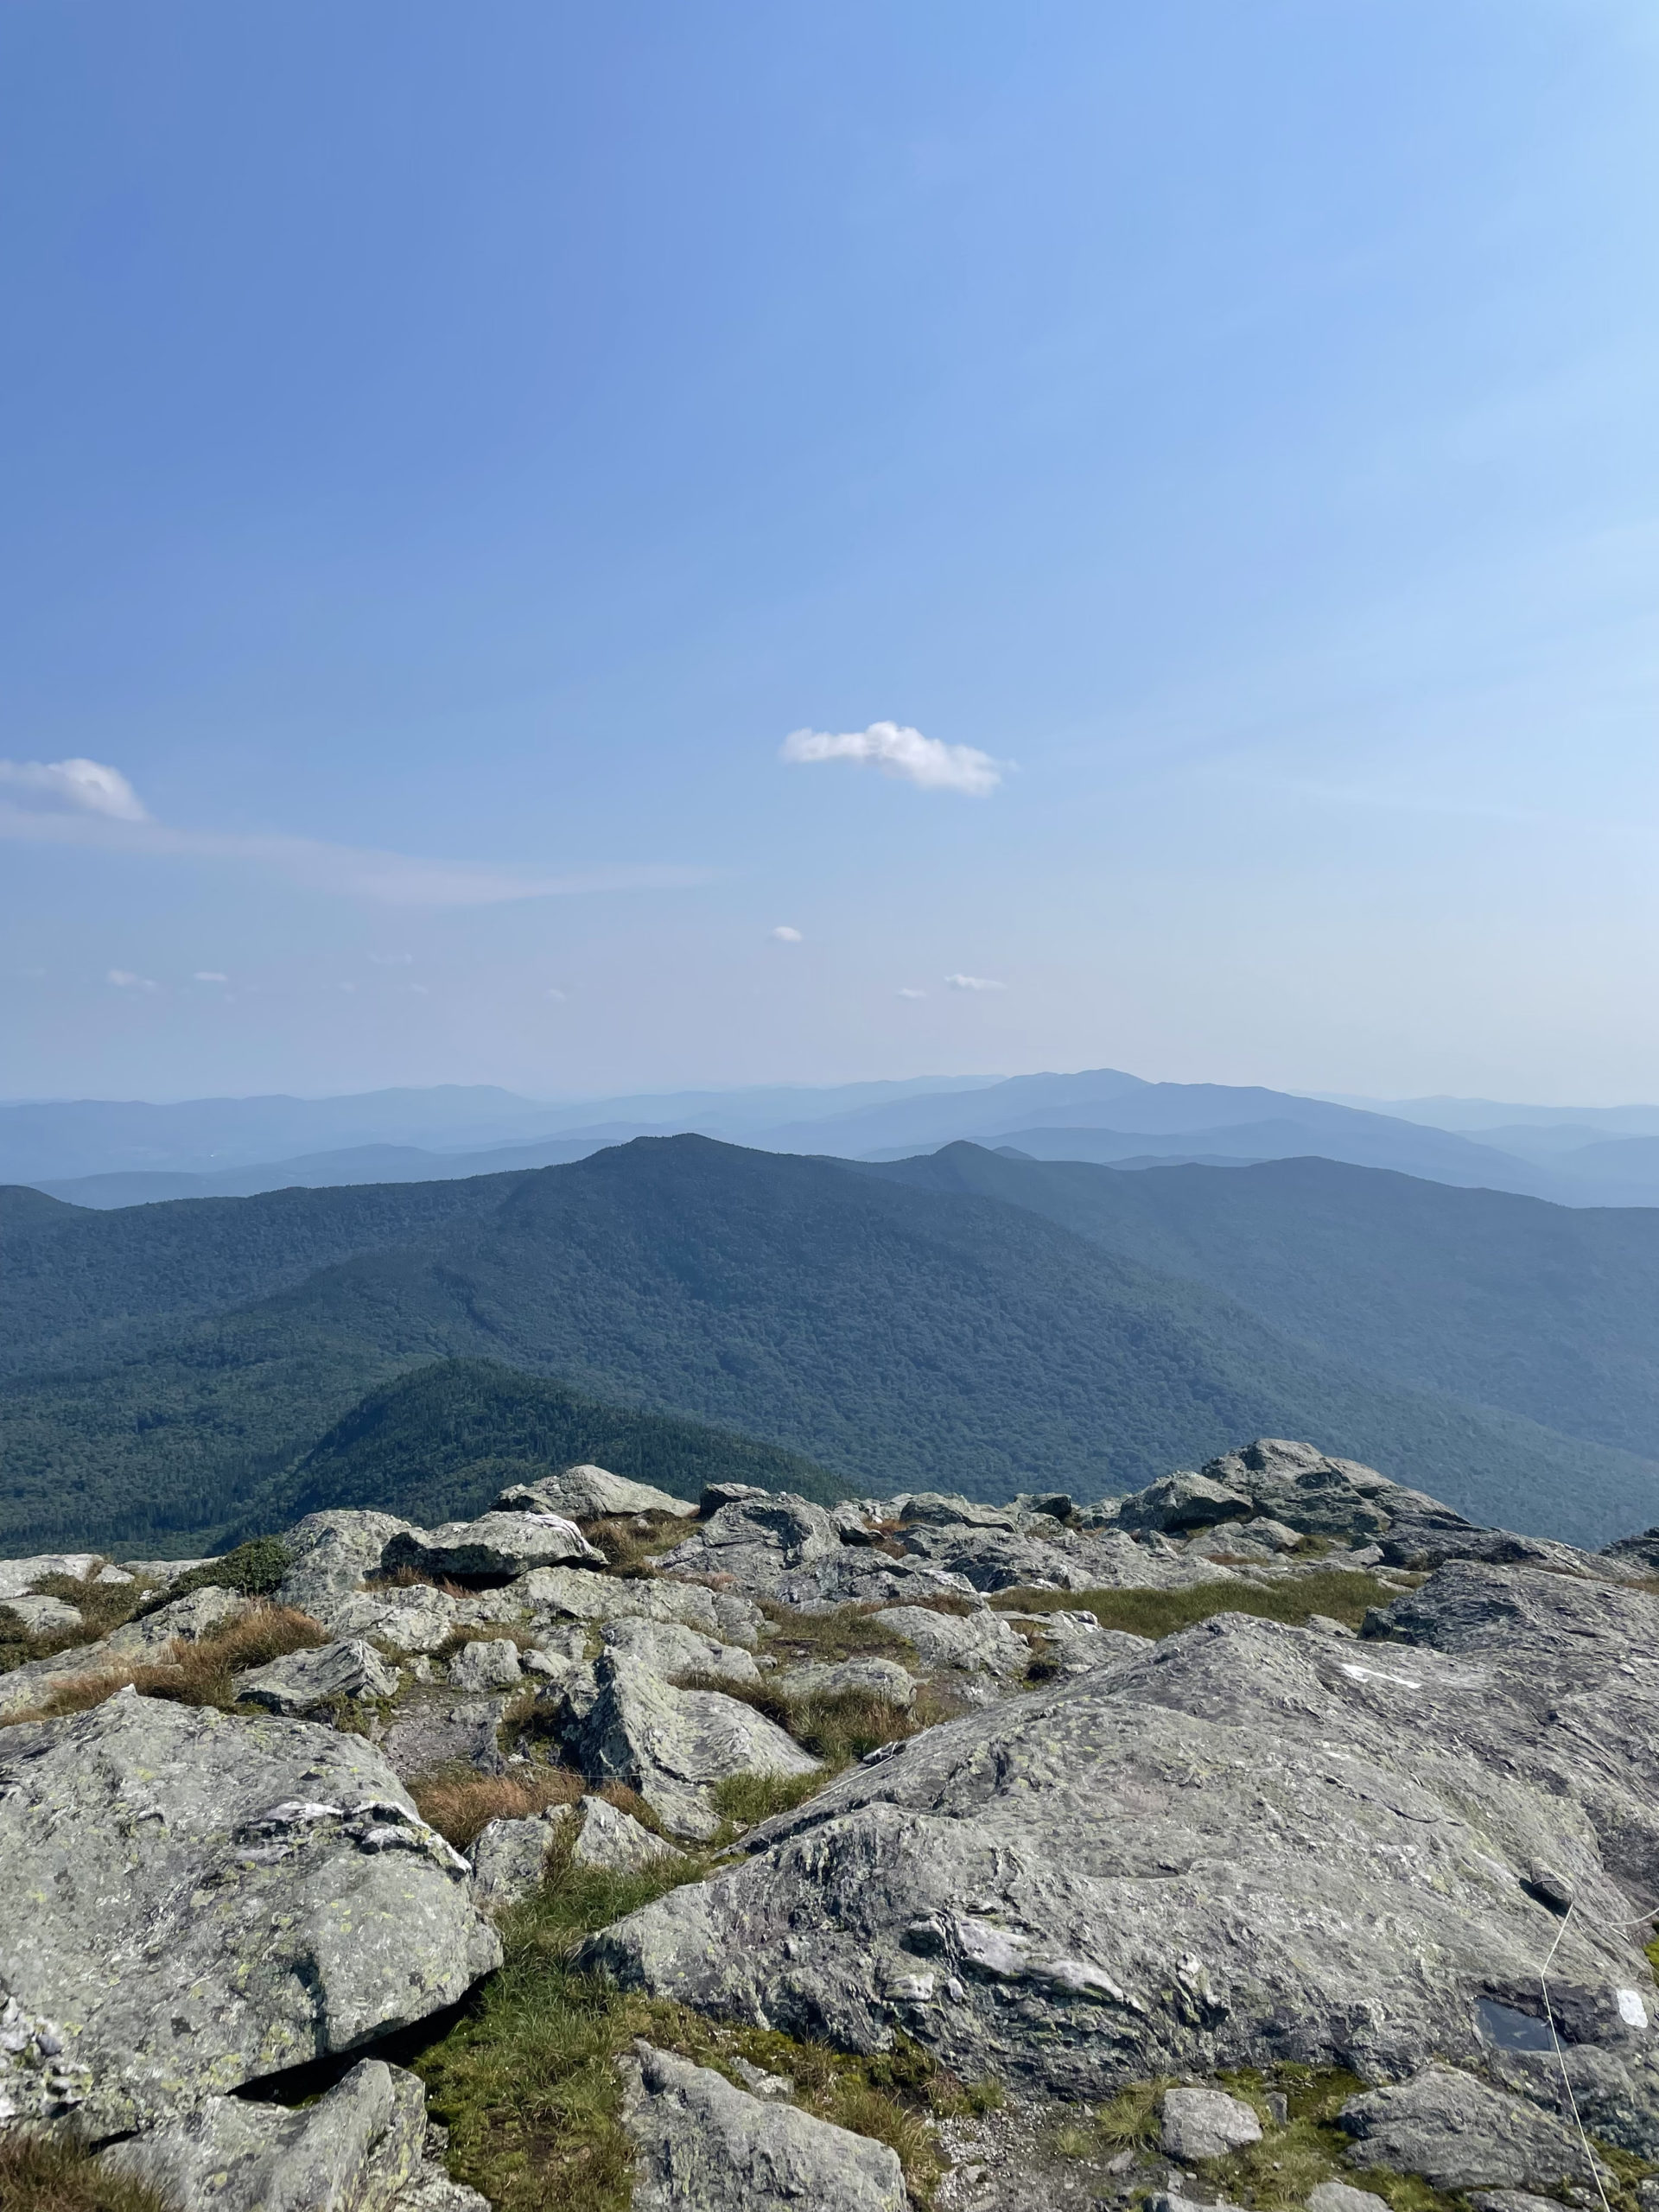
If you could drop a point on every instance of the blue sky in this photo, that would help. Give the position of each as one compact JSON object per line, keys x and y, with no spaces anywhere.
{"x":446,"y":454}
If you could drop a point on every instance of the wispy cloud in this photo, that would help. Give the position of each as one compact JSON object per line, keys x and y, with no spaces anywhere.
{"x":85,"y":803}
{"x":927,"y":762}
{"x":783,"y":935}
{"x":124,"y":980}
{"x":209,"y":976}
{"x":73,"y":787}
{"x":974,"y":983}
{"x":908,"y":994}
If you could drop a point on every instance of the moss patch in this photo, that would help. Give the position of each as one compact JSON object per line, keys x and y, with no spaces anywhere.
{"x":1341,"y":1593}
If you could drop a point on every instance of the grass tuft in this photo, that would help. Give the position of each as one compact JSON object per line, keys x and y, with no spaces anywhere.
{"x":39,"y":2173}
{"x":1342,"y":1593}
{"x":460,"y":1802}
{"x":188,"y":1674}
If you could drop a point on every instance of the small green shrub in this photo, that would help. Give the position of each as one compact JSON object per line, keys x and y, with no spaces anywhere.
{"x":253,"y":1569}
{"x":742,"y":1800}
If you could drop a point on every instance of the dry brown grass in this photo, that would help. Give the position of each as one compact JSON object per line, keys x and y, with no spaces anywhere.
{"x":187,"y":1674}
{"x":410,"y":1578}
{"x":632,"y":1542}
{"x":838,"y":1727}
{"x":460,"y":1802}
{"x":39,"y":2174}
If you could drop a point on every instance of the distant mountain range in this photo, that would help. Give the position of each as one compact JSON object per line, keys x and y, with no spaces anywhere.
{"x":105,"y":1154}
{"x":959,"y":1320}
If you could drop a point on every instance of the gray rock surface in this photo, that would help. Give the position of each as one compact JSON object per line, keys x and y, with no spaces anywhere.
{"x":353,"y":2151}
{"x":672,"y":1745}
{"x":1248,"y":1845}
{"x":431,"y":1726}
{"x":701,"y":2144}
{"x":571,"y":1593}
{"x":196,"y":1900}
{"x":415,"y":1619}
{"x":45,"y":1616}
{"x":976,"y":1642}
{"x":589,"y":1493}
{"x":755,"y":1539}
{"x":509,"y":1858}
{"x":1484,"y":2200}
{"x":873,"y":1677}
{"x":332,"y":1554}
{"x":1460,"y":2132}
{"x":305,"y":1679}
{"x":1206,"y":2124}
{"x":19,"y":1576}
{"x":668,"y":1648}
{"x":487,"y":1663}
{"x":495,"y":1544}
{"x":198,"y":1614}
{"x":1343,"y":2197}
{"x":604,"y":1836}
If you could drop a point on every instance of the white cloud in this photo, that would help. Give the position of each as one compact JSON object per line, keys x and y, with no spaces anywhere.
{"x":974,"y":983}
{"x":84,"y":802}
{"x":124,"y":980}
{"x":783,"y":935}
{"x":908,"y":994}
{"x":928,"y":762}
{"x":560,"y":995}
{"x":73,"y":787}
{"x":209,"y":976}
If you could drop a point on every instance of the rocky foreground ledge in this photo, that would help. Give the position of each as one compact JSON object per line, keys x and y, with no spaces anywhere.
{"x":1272,"y":1836}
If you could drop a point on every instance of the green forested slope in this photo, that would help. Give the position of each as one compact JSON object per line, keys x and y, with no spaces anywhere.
{"x":899,"y":1337}
{"x":1549,"y":1312}
{"x":440,"y":1443}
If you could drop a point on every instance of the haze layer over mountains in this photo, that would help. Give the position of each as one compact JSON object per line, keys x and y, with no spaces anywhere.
{"x":116,"y":1154}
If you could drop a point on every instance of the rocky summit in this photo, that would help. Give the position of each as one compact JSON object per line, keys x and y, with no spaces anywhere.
{"x":1270,"y":1837}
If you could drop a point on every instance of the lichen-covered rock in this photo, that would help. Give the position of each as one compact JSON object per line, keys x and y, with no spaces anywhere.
{"x":1206,"y":2124}
{"x":487,"y":1663}
{"x":352,"y":2150}
{"x":701,"y":2144}
{"x":1343,"y":2197}
{"x":505,"y":1544}
{"x":976,"y":1642}
{"x":1461,"y":2133}
{"x":603,"y":1835}
{"x":571,"y":1593}
{"x":755,"y":1540}
{"x":19,"y":1576}
{"x":305,"y":1679}
{"x":1185,"y":1501}
{"x":416,"y":1619}
{"x":432,"y":1726}
{"x":509,"y":1858}
{"x":668,"y":1648}
{"x":44,"y":1615}
{"x":196,"y":1900}
{"x":872,"y":1677}
{"x":588,"y":1493}
{"x":331,"y":1554}
{"x":1250,"y":1844}
{"x":198,"y":1614}
{"x":672,"y":1745}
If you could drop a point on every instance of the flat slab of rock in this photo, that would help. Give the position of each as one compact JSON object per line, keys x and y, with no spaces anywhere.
{"x":702,"y":2145}
{"x":1250,"y":1845}
{"x":431,"y":1726}
{"x":189,"y":1619}
{"x":353,"y":2151}
{"x":976,"y":1642}
{"x":755,"y":1539}
{"x":672,"y":1745}
{"x":331,"y":1554}
{"x":1206,"y":2124}
{"x":487,"y":1663}
{"x":872,"y":1677}
{"x":305,"y":1679}
{"x":416,"y":1619}
{"x":18,"y":1576}
{"x":668,"y":1648}
{"x":44,"y":1615}
{"x":1343,"y":2197}
{"x":1460,"y":2132}
{"x":508,"y":1544}
{"x":197,"y":1900}
{"x":568,"y":1593}
{"x":590,"y":1493}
